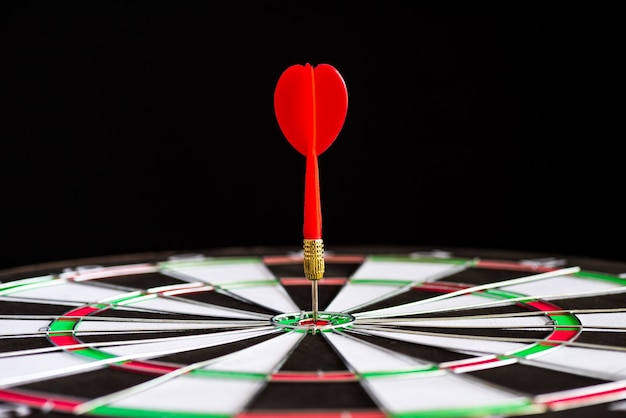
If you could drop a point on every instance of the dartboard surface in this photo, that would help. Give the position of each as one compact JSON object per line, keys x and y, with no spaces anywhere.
{"x":402,"y":333}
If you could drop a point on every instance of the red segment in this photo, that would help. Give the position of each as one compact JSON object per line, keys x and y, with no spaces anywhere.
{"x":601,"y":396}
{"x":473,"y":363}
{"x":510,"y":265}
{"x":38,"y":401}
{"x":313,"y":414}
{"x":83,"y":311}
{"x":563,"y":335}
{"x":543,"y":306}
{"x":145,"y":367}
{"x":318,"y":322}
{"x":441,"y":287}
{"x":64,"y":340}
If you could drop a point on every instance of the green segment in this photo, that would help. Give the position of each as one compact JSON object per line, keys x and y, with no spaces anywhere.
{"x":208,"y":262}
{"x":133,"y":298}
{"x":600,"y":276}
{"x":533,"y":349}
{"x":381,"y":282}
{"x":563,"y":321}
{"x":63,"y":325}
{"x":66,"y":326}
{"x":26,"y":284}
{"x":515,"y":407}
{"x":229,"y":374}
{"x":425,"y":259}
{"x":248,"y":283}
{"x":94,"y":354}
{"x":500,"y":294}
{"x":388,"y":373}
{"x":111,"y":411}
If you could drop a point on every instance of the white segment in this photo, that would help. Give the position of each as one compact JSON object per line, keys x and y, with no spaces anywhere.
{"x":150,"y":348}
{"x":264,"y":357}
{"x":61,"y":290}
{"x":617,"y":319}
{"x":603,"y":364}
{"x":357,"y":294}
{"x":511,"y":322}
{"x":404,"y":270}
{"x":436,"y":391}
{"x":460,"y":344}
{"x":462,"y":301}
{"x":87,"y":325}
{"x":224,"y":395}
{"x":171,"y":305}
{"x":199,"y":394}
{"x":363,"y":357}
{"x":23,"y":326}
{"x":272,"y":296}
{"x":562,"y":285}
{"x":26,"y":368}
{"x":221,"y":273}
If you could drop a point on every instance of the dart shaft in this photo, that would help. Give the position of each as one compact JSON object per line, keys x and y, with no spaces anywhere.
{"x":314,"y":267}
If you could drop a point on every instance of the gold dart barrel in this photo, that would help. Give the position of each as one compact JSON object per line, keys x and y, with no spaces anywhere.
{"x":313,"y":259}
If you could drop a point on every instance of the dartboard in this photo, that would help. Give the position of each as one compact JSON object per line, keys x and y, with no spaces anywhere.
{"x":417,"y":333}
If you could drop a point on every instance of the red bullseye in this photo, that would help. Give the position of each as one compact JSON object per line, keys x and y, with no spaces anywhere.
{"x":311,"y":322}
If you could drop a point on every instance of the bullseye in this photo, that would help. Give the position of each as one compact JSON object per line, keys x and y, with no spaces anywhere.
{"x":305,"y":321}
{"x":311,"y":322}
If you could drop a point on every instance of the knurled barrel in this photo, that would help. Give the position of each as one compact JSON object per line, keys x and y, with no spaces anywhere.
{"x":313,"y":259}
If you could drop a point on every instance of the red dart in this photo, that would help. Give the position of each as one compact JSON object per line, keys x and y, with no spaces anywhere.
{"x":311,"y":105}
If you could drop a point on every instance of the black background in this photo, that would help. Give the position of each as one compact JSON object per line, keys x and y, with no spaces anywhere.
{"x":146,"y":126}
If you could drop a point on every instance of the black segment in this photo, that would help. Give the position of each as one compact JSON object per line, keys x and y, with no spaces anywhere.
{"x":194,"y":356}
{"x":418,"y":351}
{"x":297,"y":269}
{"x":477,"y":276}
{"x":23,"y":343}
{"x":221,"y":298}
{"x":90,"y":384}
{"x":413,"y":295}
{"x":32,"y":308}
{"x":131,"y":313}
{"x":301,"y":295}
{"x":139,"y":336}
{"x":143,"y":281}
{"x":280,"y":396}
{"x":408,"y":296}
{"x":534,"y":380}
{"x":600,"y":338}
{"x":617,"y":300}
{"x":313,"y":354}
{"x":520,"y":335}
{"x":593,"y":411}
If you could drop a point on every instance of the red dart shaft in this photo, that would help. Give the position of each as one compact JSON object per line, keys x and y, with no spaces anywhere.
{"x":312,"y":228}
{"x":312,"y":203}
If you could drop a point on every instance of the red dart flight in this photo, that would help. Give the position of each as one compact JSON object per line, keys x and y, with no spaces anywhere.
{"x":311,"y":105}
